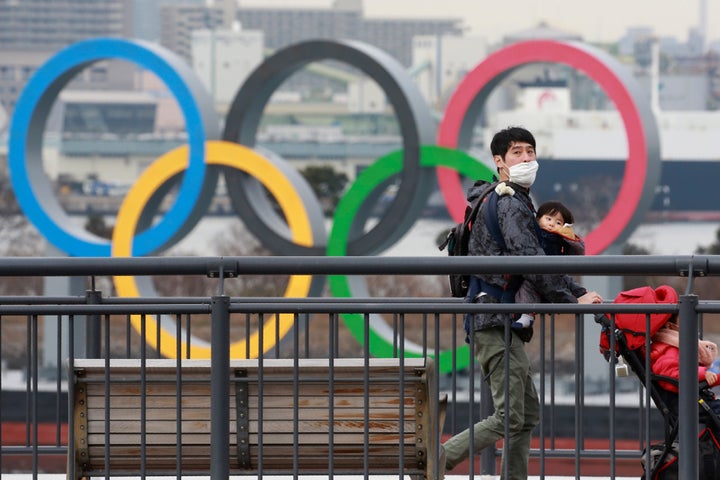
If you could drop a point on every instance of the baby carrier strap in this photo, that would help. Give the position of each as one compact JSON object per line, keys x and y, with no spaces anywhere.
{"x":506,"y":293}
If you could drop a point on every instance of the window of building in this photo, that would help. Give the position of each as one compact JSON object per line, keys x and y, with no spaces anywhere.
{"x":7,"y":72}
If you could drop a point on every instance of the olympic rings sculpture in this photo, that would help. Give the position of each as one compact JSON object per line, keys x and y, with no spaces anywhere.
{"x":427,"y":153}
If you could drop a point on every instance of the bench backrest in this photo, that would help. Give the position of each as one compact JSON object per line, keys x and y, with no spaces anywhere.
{"x":284,"y":417}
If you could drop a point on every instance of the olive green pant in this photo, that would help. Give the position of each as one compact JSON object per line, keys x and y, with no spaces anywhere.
{"x":522,"y":404}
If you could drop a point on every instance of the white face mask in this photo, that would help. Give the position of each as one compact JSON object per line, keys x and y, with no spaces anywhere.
{"x":524,"y":173}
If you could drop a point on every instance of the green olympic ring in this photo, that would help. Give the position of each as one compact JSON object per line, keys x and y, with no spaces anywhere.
{"x":381,"y":342}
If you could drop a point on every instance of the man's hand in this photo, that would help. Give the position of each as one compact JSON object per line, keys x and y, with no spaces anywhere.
{"x":590,"y":297}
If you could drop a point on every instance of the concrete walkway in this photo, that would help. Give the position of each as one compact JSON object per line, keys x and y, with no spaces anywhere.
{"x":23,"y":476}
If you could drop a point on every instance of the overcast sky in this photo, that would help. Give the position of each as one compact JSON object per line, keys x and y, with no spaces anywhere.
{"x":595,"y":20}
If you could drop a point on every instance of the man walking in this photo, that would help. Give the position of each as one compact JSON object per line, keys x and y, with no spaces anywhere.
{"x":513,"y":151}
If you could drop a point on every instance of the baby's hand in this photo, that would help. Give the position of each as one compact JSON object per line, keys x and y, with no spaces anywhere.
{"x":711,"y":377}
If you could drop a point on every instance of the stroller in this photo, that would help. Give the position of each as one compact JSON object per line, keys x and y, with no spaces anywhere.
{"x":629,"y":339}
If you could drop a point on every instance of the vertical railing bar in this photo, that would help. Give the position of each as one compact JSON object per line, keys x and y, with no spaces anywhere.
{"x":128,"y":336}
{"x":35,"y":374}
{"x":366,"y":395}
{"x":553,"y":382}
{"x":578,"y":395}
{"x":436,"y":377}
{"x":613,"y":384}
{"x":93,"y":324}
{"x":106,"y":360}
{"x":335,"y":347}
{"x":296,"y":394}
{"x":688,"y":384}
{"x":306,"y":324}
{"x":331,"y":393}
{"x":277,"y":336}
{"x":395,"y":339}
{"x":542,"y":391}
{"x":453,"y":380}
{"x":261,"y":383}
{"x":58,"y":381}
{"x":399,"y":332}
{"x":143,"y":393}
{"x":71,"y":398}
{"x":28,"y":389}
{"x":506,"y":402}
{"x":220,"y":388}
{"x":647,"y":398}
{"x":178,"y":396}
{"x":1,"y":388}
{"x":641,"y":417}
{"x":247,"y":333}
{"x":435,"y":420}
{"x":438,"y":427}
{"x":188,"y":334}
{"x":424,"y":337}
{"x":158,"y":336}
{"x":487,"y":456}
{"x":701,"y":325}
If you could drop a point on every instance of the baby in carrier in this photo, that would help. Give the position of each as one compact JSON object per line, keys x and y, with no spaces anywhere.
{"x":557,"y":237}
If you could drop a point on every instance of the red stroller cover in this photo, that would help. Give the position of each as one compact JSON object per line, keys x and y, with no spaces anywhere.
{"x":633,"y":325}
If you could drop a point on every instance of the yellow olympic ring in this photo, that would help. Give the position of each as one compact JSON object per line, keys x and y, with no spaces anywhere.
{"x":174,"y":162}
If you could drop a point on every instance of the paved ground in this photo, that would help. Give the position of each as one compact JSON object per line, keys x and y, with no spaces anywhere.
{"x":337,"y":477}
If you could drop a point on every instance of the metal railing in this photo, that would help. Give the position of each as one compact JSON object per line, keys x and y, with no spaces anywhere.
{"x":41,"y":335}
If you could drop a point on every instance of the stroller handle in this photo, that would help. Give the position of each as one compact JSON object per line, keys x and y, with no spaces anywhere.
{"x":602,"y":319}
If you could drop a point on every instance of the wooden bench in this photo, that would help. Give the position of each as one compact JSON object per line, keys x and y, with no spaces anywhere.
{"x":278,"y":426}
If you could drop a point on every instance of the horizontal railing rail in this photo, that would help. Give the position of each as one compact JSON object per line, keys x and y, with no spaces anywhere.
{"x":681,"y":265}
{"x":36,"y":432}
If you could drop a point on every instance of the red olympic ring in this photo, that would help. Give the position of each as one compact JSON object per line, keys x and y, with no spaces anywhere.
{"x":485,"y":76}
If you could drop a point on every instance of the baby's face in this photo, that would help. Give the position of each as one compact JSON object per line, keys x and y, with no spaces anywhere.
{"x":551,"y":222}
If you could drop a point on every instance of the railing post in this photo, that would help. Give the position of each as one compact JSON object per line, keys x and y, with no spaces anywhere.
{"x":488,"y":457}
{"x":688,"y":386}
{"x":92,"y":326}
{"x":220,"y":389}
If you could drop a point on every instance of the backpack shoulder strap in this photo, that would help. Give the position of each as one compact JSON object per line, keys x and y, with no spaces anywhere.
{"x":490,"y":217}
{"x":473,"y":207}
{"x":471,"y":211}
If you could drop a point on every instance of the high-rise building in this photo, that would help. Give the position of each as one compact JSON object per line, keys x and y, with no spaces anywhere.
{"x":147,"y":17}
{"x":441,"y":61}
{"x":33,"y":30}
{"x":282,"y":27}
{"x":49,"y":25}
{"x":178,"y":21}
{"x":345,"y":20}
{"x":223,"y":59}
{"x":285,"y":26}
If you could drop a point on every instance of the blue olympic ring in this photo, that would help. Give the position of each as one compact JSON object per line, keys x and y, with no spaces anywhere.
{"x":32,"y":187}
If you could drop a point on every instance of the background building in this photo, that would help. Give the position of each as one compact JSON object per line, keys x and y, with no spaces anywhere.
{"x":178,"y":21}
{"x":440,"y":61}
{"x":147,"y":17}
{"x":224,"y":58}
{"x":31,"y":31}
{"x":344,"y":20}
{"x":330,"y":114}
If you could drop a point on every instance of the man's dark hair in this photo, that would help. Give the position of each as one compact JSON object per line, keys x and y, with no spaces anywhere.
{"x":504,"y":138}
{"x":551,"y":208}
